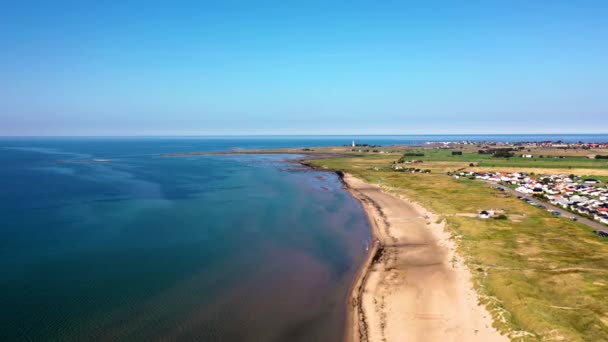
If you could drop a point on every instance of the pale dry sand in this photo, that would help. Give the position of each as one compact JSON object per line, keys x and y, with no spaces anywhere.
{"x":413,"y":287}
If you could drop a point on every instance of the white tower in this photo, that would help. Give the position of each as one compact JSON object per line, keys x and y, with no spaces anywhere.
{"x":353,"y":143}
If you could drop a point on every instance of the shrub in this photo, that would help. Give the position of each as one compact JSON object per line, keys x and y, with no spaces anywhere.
{"x":503,"y":154}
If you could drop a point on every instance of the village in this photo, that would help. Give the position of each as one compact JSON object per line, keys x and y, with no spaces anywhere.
{"x":522,"y":145}
{"x":585,"y":196}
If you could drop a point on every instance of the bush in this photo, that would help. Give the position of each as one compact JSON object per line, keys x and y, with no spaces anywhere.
{"x":501,"y":217}
{"x":503,"y":154}
{"x":601,"y":157}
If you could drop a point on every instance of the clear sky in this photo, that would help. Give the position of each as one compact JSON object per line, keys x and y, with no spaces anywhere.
{"x":303,"y":67}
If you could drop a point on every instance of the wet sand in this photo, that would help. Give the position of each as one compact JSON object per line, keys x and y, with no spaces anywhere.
{"x":412,"y":286}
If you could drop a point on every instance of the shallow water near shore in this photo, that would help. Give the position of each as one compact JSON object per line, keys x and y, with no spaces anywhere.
{"x":144,"y":247}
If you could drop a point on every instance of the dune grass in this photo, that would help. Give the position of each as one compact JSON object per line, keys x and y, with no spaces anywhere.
{"x":541,"y":277}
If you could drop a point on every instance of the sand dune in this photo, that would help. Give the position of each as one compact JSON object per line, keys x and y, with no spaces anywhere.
{"x":413,"y":287}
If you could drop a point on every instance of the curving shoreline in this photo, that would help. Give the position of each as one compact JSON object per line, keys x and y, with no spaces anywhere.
{"x":412,"y":285}
{"x":355,"y":326}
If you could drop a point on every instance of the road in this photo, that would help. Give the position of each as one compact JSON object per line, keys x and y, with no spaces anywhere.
{"x":564,"y":213}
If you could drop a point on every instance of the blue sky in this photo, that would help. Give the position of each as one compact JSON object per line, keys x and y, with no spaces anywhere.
{"x":303,"y":67}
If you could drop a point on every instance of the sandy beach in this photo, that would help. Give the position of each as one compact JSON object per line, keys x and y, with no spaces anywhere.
{"x":412,"y":287}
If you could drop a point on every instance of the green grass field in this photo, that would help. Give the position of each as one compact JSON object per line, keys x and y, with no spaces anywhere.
{"x":486,"y":160}
{"x":542,"y":277}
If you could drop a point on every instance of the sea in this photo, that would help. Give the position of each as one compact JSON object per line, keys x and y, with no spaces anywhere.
{"x":104,"y":238}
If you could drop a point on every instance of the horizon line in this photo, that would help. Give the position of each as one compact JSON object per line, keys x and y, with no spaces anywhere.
{"x":285,"y":135}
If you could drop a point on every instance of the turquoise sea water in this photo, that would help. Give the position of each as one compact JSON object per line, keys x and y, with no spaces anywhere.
{"x":144,"y":247}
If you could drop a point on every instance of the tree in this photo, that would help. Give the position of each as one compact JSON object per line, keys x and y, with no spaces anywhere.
{"x":503,"y":154}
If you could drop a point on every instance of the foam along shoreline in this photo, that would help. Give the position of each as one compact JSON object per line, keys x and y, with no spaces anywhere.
{"x":412,"y":286}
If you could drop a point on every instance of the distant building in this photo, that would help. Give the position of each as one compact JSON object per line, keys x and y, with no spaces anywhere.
{"x":353,"y":143}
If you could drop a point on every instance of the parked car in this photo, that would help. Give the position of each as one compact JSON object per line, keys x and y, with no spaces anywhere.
{"x":556,"y":213}
{"x":574,"y":218}
{"x":601,"y":233}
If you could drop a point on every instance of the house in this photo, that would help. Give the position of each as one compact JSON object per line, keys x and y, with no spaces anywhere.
{"x":571,"y":192}
{"x":562,"y":202}
{"x":526,"y":156}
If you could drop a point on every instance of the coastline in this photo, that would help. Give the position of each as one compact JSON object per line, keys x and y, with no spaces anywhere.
{"x":355,"y":323}
{"x":412,"y":284}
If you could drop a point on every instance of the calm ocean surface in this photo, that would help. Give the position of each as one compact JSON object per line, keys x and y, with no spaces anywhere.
{"x":210,"y":248}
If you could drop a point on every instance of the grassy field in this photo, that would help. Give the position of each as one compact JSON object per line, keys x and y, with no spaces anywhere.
{"x":485,"y":160}
{"x":542,"y":277}
{"x":552,"y":161}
